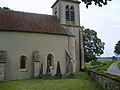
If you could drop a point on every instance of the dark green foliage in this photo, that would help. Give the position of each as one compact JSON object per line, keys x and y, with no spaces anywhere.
{"x":58,"y":71}
{"x":4,"y":8}
{"x":118,"y":65}
{"x":114,"y":58}
{"x":95,"y":63}
{"x":41,"y":75}
{"x":105,"y":66}
{"x":93,"y":46}
{"x":117,"y":48}
{"x":96,"y":2}
{"x":69,"y":75}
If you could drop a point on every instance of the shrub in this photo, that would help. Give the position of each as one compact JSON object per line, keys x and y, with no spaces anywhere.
{"x":95,"y":63}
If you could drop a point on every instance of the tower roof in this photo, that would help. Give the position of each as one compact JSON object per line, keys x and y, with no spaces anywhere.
{"x":74,"y":1}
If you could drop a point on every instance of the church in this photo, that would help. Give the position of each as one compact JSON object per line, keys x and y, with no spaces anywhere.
{"x":29,"y":40}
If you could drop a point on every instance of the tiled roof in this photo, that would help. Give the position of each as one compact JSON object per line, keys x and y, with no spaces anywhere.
{"x":74,"y":1}
{"x":30,"y":22}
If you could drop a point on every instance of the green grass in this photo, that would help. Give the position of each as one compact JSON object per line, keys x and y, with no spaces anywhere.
{"x":104,"y":67}
{"x":87,"y":65}
{"x":81,"y":82}
{"x":102,"y":70}
{"x":118,"y":65}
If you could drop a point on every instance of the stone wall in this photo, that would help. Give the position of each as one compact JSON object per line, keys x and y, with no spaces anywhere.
{"x":105,"y":81}
{"x":3,"y":55}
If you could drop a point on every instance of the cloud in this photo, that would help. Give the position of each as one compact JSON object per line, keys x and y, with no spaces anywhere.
{"x":35,"y":6}
{"x":105,"y":21}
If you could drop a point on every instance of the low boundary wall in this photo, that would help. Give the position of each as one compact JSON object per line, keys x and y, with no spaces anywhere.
{"x":105,"y":81}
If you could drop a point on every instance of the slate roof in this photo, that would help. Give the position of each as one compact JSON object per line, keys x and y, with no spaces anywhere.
{"x":30,"y":22}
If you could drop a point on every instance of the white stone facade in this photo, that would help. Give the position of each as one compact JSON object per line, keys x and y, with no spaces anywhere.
{"x":59,"y":9}
{"x":18,"y":44}
{"x":27,"y":50}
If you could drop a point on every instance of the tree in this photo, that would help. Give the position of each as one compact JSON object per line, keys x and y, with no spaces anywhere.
{"x":4,"y":8}
{"x":114,"y":58}
{"x":117,"y":48}
{"x":93,"y":46}
{"x":96,"y":2}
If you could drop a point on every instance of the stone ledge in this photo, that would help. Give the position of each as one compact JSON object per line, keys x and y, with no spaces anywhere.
{"x":23,"y":70}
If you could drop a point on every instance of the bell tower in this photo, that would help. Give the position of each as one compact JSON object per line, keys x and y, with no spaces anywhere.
{"x":68,"y":13}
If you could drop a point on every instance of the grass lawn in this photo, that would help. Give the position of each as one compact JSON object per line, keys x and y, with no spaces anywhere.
{"x":118,"y":65}
{"x":102,"y":70}
{"x":88,"y":65}
{"x":104,"y":67}
{"x":82,"y":82}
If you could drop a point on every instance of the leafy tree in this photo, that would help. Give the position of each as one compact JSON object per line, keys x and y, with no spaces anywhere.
{"x":4,"y":8}
{"x":93,"y":46}
{"x":114,"y":58}
{"x":117,"y":48}
{"x":96,"y":2}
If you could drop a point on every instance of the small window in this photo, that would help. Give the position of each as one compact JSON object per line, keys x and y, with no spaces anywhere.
{"x":55,"y":11}
{"x":67,"y":16}
{"x":70,"y":13}
{"x":67,"y":7}
{"x":50,"y":60}
{"x":23,"y":62}
{"x":67,"y":13}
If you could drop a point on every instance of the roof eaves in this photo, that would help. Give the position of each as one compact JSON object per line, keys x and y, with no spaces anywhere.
{"x":69,"y":33}
{"x":1,"y":30}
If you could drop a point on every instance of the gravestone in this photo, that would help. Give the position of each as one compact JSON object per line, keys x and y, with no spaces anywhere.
{"x":36,"y":63}
{"x":41,"y":75}
{"x":69,"y":64}
{"x":58,"y":71}
{"x":3,"y":55}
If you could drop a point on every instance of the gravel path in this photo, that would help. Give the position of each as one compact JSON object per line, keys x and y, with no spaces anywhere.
{"x":113,"y":69}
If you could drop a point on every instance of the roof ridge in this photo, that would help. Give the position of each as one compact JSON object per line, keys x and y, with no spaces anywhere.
{"x":24,"y":12}
{"x":30,"y":22}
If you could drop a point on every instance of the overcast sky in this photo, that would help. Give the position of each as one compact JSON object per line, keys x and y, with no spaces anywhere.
{"x":105,"y":21}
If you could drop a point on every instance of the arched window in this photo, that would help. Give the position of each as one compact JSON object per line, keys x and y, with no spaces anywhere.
{"x":23,"y":62}
{"x":67,"y":13}
{"x":50,"y":60}
{"x":72,"y":13}
{"x":55,"y":11}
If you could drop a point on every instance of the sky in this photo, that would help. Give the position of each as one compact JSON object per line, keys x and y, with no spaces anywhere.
{"x":104,"y":20}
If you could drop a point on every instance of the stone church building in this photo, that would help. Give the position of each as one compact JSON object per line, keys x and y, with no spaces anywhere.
{"x":28,"y":40}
